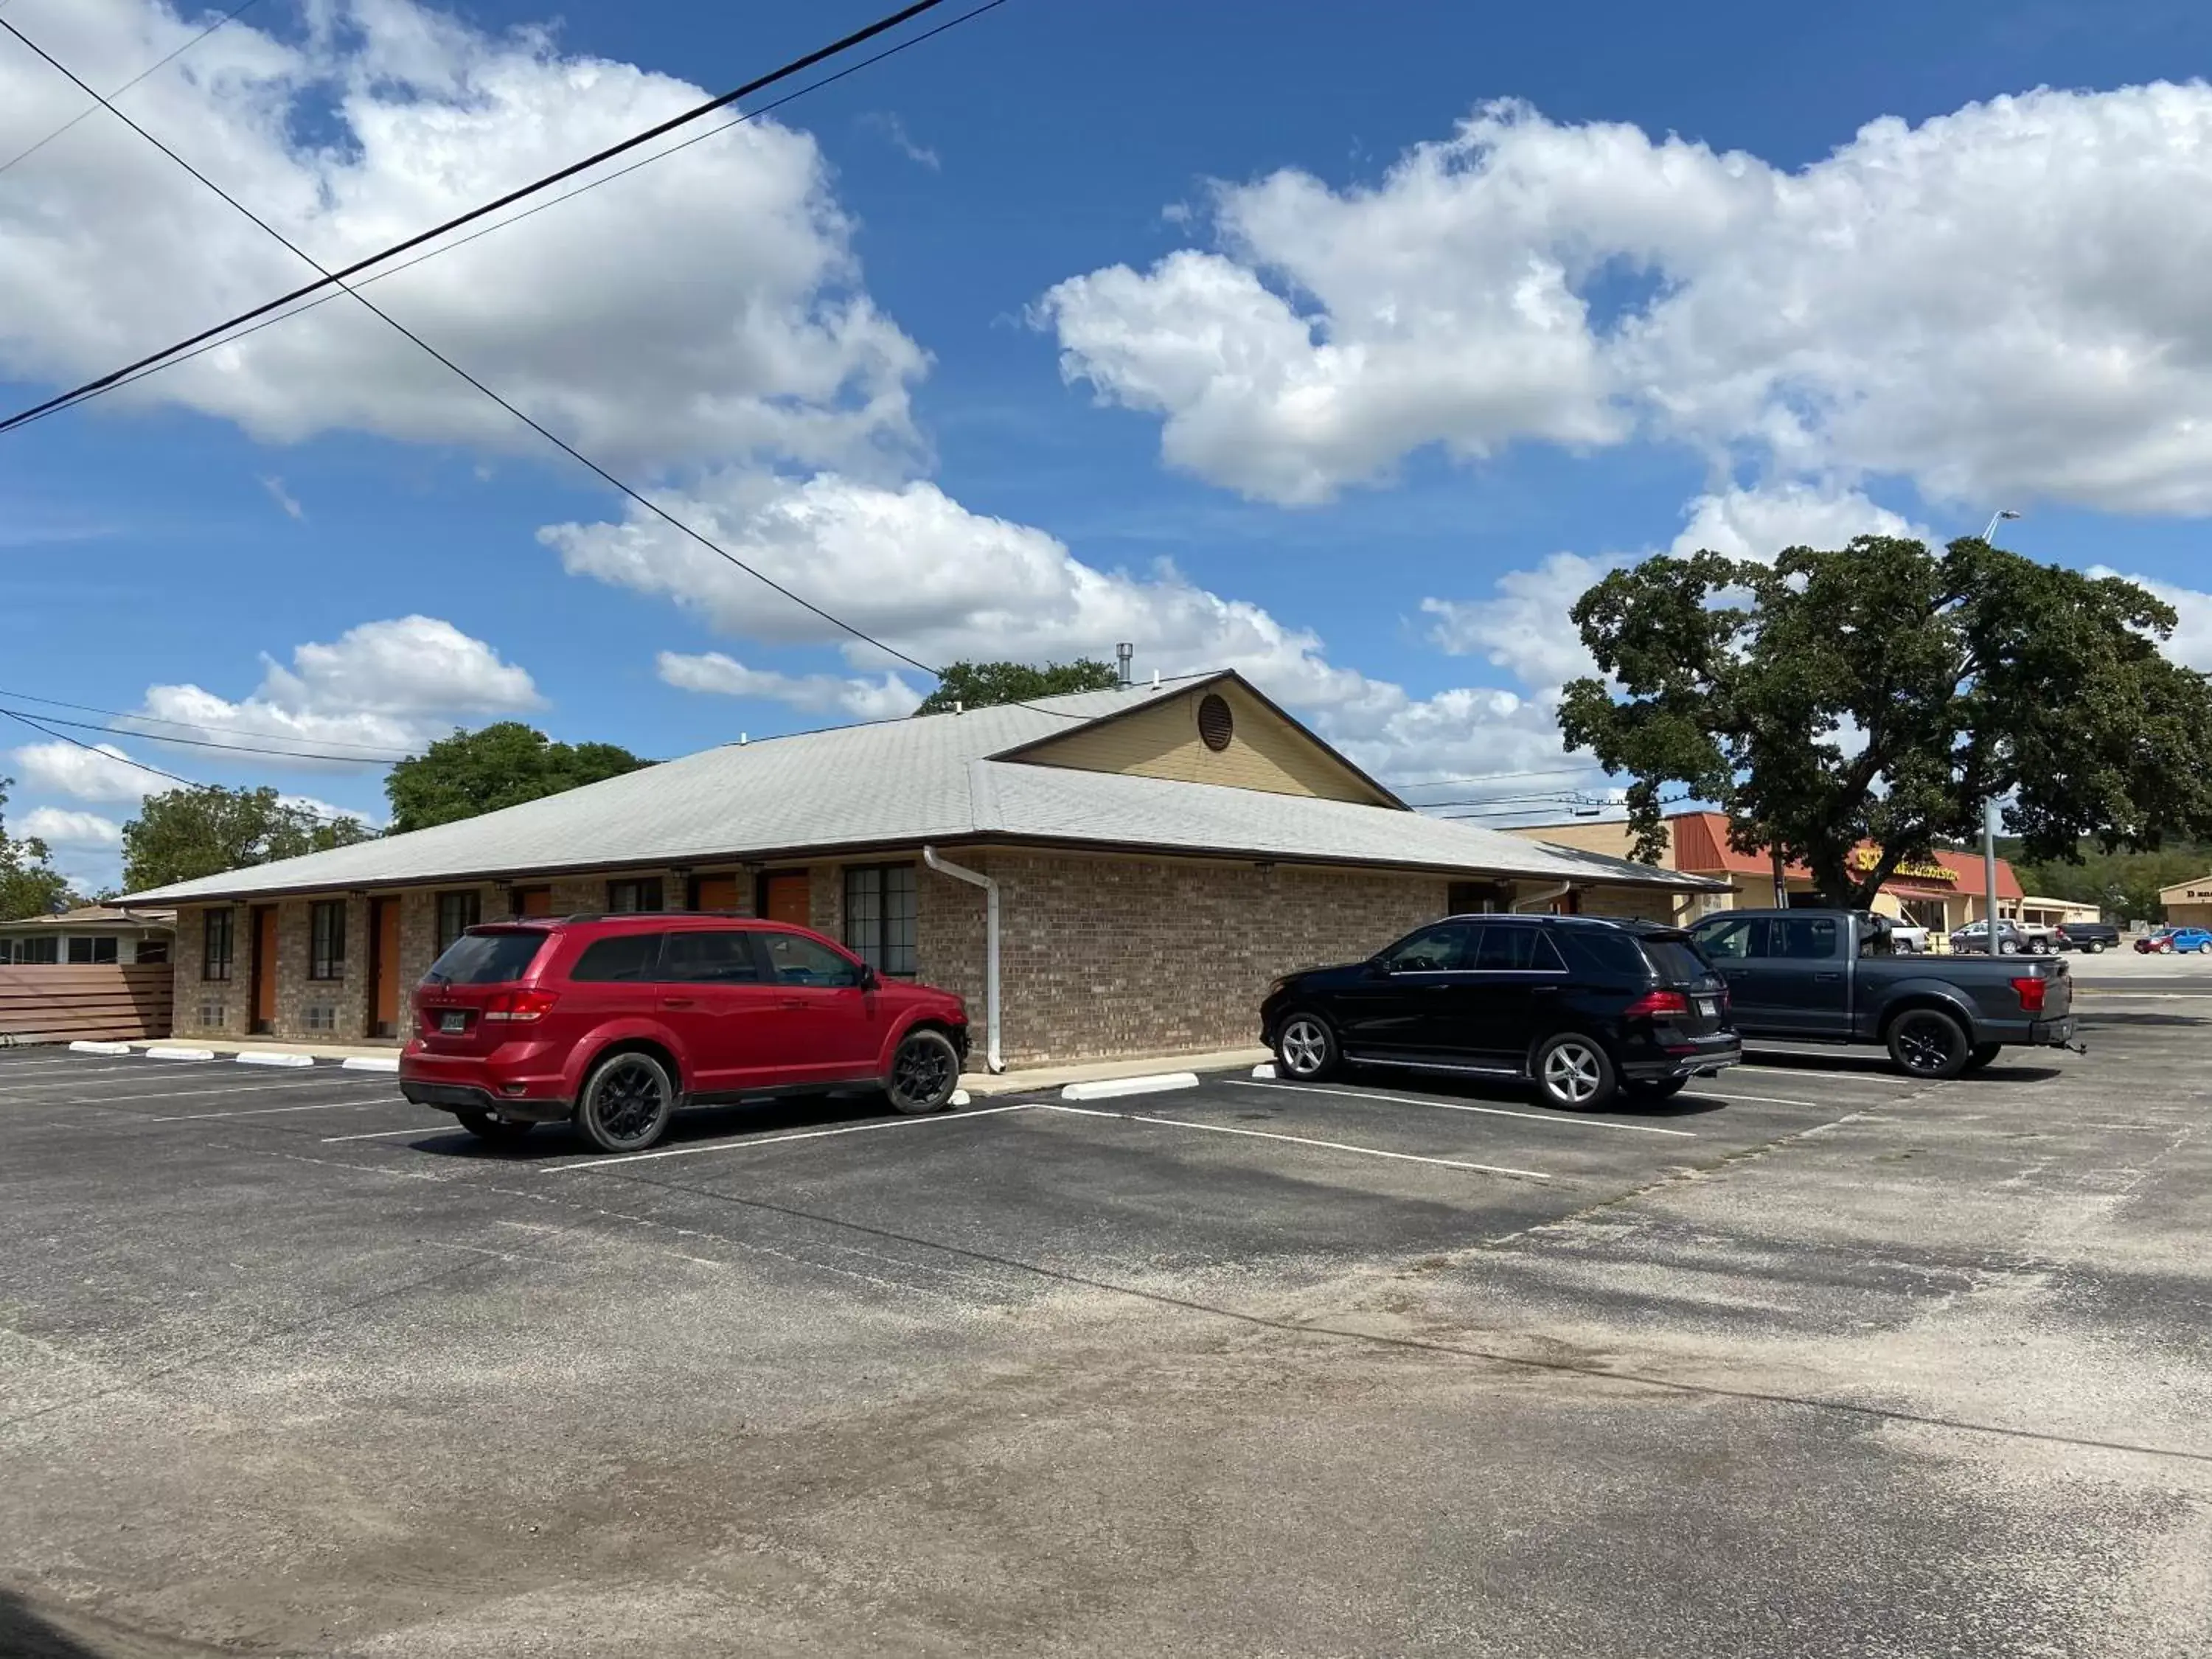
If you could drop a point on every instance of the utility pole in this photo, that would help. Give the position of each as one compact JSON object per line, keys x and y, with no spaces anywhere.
{"x":1990,"y":805}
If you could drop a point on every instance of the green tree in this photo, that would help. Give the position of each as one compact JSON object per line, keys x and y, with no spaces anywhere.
{"x":205,"y":830}
{"x":29,"y":883}
{"x":981,"y":684}
{"x":1881,"y":693}
{"x":500,"y":765}
{"x":2125,"y":884}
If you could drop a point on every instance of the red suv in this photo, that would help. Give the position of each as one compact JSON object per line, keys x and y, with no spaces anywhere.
{"x":615,"y":1021}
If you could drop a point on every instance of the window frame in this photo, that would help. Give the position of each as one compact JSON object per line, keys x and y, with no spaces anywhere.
{"x":765,"y":939}
{"x":646,"y":886}
{"x":469,"y":899}
{"x":160,"y":947}
{"x":326,"y":941}
{"x":28,"y":951}
{"x":876,"y":950}
{"x":218,"y":945}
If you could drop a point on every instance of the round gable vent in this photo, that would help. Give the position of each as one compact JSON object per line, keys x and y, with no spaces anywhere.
{"x":1215,"y":723}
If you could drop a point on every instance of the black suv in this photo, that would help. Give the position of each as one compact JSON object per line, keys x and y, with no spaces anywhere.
{"x":2091,"y":938}
{"x":1581,"y":1007}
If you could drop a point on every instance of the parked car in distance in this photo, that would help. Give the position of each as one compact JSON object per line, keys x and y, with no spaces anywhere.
{"x":2090,"y":938}
{"x":2187,"y":941}
{"x":1908,"y":938}
{"x":615,"y":1022}
{"x":1584,"y":1008}
{"x":2013,"y":940}
{"x":2157,"y":942}
{"x":1827,"y":976}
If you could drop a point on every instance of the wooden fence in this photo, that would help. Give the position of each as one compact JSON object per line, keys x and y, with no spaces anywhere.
{"x":118,"y":1003}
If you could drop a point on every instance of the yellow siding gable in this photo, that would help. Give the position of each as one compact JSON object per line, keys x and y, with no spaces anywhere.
{"x":1161,"y":739}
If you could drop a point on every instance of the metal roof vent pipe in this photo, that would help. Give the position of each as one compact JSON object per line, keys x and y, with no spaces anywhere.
{"x":1123,"y":653}
{"x":976,"y":879}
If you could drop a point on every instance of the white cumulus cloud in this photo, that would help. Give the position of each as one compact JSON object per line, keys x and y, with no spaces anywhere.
{"x":380,"y":689}
{"x":102,"y":772}
{"x":857,"y":698}
{"x":914,"y":567}
{"x":2002,"y":303}
{"x":708,"y":305}
{"x":61,"y":826}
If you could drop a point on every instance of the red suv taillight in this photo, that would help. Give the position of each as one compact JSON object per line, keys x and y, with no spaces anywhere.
{"x":2032,"y":992}
{"x":1655,"y":1003}
{"x":518,"y":1007}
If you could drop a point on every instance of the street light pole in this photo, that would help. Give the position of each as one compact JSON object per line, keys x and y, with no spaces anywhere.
{"x":1990,"y":805}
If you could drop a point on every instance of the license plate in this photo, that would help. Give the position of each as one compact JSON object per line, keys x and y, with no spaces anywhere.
{"x":1708,"y":1007}
{"x":453,"y":1019}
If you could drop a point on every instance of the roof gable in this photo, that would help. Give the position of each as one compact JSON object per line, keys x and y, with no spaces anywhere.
{"x":1263,"y":749}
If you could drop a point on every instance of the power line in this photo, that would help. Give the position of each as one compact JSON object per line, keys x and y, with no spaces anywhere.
{"x":179,"y":52}
{"x":189,"y":783}
{"x":233,"y":748}
{"x":132,"y":377}
{"x":378,"y":752}
{"x":328,"y":279}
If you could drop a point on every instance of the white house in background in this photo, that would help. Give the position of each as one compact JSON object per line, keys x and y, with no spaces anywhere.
{"x":89,"y":934}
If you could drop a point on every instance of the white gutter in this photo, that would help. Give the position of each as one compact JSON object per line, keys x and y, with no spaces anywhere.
{"x":975,"y":879}
{"x":1544,"y":897}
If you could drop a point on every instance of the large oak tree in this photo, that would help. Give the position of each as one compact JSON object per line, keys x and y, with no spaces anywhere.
{"x":1881,"y":693}
{"x":503,"y":764}
{"x":182,"y":834}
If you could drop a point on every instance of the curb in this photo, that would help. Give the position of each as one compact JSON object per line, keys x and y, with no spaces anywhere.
{"x":276,"y":1060}
{"x":163,"y":1051}
{"x":1108,"y":1088}
{"x":81,"y":1046}
{"x":367,"y":1063}
{"x":1265,"y":1068}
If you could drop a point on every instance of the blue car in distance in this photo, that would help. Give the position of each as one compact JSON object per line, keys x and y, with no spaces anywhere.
{"x":2198,"y":940}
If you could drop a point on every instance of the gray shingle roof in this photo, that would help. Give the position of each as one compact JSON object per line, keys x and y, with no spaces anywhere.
{"x":898,"y":782}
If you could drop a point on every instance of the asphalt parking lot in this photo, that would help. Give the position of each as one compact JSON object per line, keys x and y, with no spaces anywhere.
{"x":1813,"y":1359}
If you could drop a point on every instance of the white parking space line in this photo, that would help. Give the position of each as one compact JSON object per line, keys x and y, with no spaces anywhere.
{"x":272,"y":1111}
{"x":1461,"y":1106}
{"x":740,"y":1143}
{"x":388,"y":1135}
{"x":1762,"y":1100}
{"x":1297,"y":1140}
{"x":159,"y":1095}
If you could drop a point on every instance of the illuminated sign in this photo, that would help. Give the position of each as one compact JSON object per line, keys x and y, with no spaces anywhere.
{"x":1865,"y":858}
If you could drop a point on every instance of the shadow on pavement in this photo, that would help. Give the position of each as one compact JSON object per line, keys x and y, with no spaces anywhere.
{"x":25,"y":1634}
{"x":695,"y":1123}
{"x":1503,"y":1092}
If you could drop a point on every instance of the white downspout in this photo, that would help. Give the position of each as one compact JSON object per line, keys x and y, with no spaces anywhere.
{"x":976,"y":879}
{"x":1543,"y":897}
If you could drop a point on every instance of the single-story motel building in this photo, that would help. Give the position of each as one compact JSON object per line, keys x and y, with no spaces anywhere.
{"x":1131,"y":867}
{"x":1942,"y":894}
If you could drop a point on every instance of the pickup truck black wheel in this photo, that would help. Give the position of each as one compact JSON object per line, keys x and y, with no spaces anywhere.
{"x":1305,"y":1048}
{"x":485,"y":1126}
{"x":2094,"y":947}
{"x":1574,"y":1072}
{"x":1983,"y":1054}
{"x":1928,"y":1042}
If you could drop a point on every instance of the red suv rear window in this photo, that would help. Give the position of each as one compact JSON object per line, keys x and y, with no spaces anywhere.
{"x":489,"y":959}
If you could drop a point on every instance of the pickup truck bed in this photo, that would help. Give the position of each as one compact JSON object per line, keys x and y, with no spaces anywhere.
{"x":1821,"y":976}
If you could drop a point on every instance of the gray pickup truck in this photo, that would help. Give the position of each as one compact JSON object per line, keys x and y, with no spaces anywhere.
{"x":1829,"y":977}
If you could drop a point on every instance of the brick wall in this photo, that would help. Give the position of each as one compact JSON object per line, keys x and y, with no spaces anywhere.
{"x":1126,"y":956}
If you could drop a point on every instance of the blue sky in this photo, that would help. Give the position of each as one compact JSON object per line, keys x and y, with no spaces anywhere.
{"x":913,"y":420}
